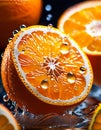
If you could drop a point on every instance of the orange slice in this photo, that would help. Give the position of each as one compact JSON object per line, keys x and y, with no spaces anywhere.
{"x":83,"y":23}
{"x":95,"y":123}
{"x":7,"y":120}
{"x":43,"y":67}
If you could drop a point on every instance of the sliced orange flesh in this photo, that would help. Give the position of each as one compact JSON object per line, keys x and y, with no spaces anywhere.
{"x":83,"y":23}
{"x":7,"y":121}
{"x":52,"y":66}
{"x":96,"y":119}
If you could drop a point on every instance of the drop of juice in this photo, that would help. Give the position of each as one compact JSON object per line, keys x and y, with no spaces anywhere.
{"x":44,"y":84}
{"x":64,"y":49}
{"x":71,"y":77}
{"x":5,"y":98}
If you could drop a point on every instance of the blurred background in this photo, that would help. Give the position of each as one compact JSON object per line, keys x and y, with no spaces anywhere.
{"x":52,"y":9}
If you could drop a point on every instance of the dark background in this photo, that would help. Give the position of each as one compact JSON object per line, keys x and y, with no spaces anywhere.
{"x":58,"y":7}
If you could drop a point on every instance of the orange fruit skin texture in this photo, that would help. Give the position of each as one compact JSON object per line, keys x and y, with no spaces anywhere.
{"x":14,"y":13}
{"x":96,"y":65}
{"x":14,"y":84}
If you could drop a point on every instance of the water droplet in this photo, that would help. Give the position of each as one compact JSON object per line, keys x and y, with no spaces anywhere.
{"x":22,"y":51}
{"x":82,"y":69}
{"x":22,"y":26}
{"x":48,"y":7}
{"x":5,"y":98}
{"x":12,"y":108}
{"x":49,"y":17}
{"x":14,"y":103}
{"x":9,"y":39}
{"x":71,"y":77}
{"x":50,"y":26}
{"x":24,"y":110}
{"x":44,"y":84}
{"x":64,"y":49}
{"x":14,"y":32}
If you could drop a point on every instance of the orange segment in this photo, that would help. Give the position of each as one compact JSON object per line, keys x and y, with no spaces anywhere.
{"x":95,"y":123}
{"x":7,"y":121}
{"x":83,"y":23}
{"x":49,"y":67}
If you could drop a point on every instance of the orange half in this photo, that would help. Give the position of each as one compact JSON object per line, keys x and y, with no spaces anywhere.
{"x":51,"y":68}
{"x":83,"y":23}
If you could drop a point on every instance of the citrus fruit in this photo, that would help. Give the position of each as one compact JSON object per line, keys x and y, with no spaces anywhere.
{"x":14,"y":13}
{"x":95,"y":123}
{"x":7,"y":120}
{"x":83,"y":23}
{"x":45,"y":70}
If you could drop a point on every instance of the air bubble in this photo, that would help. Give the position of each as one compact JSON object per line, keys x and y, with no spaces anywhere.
{"x":44,"y":84}
{"x":71,"y":77}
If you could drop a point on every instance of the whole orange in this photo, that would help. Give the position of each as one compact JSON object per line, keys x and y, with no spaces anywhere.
{"x":13,"y":13}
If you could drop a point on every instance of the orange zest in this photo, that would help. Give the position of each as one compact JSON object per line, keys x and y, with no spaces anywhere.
{"x":83,"y":23}
{"x":48,"y":67}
